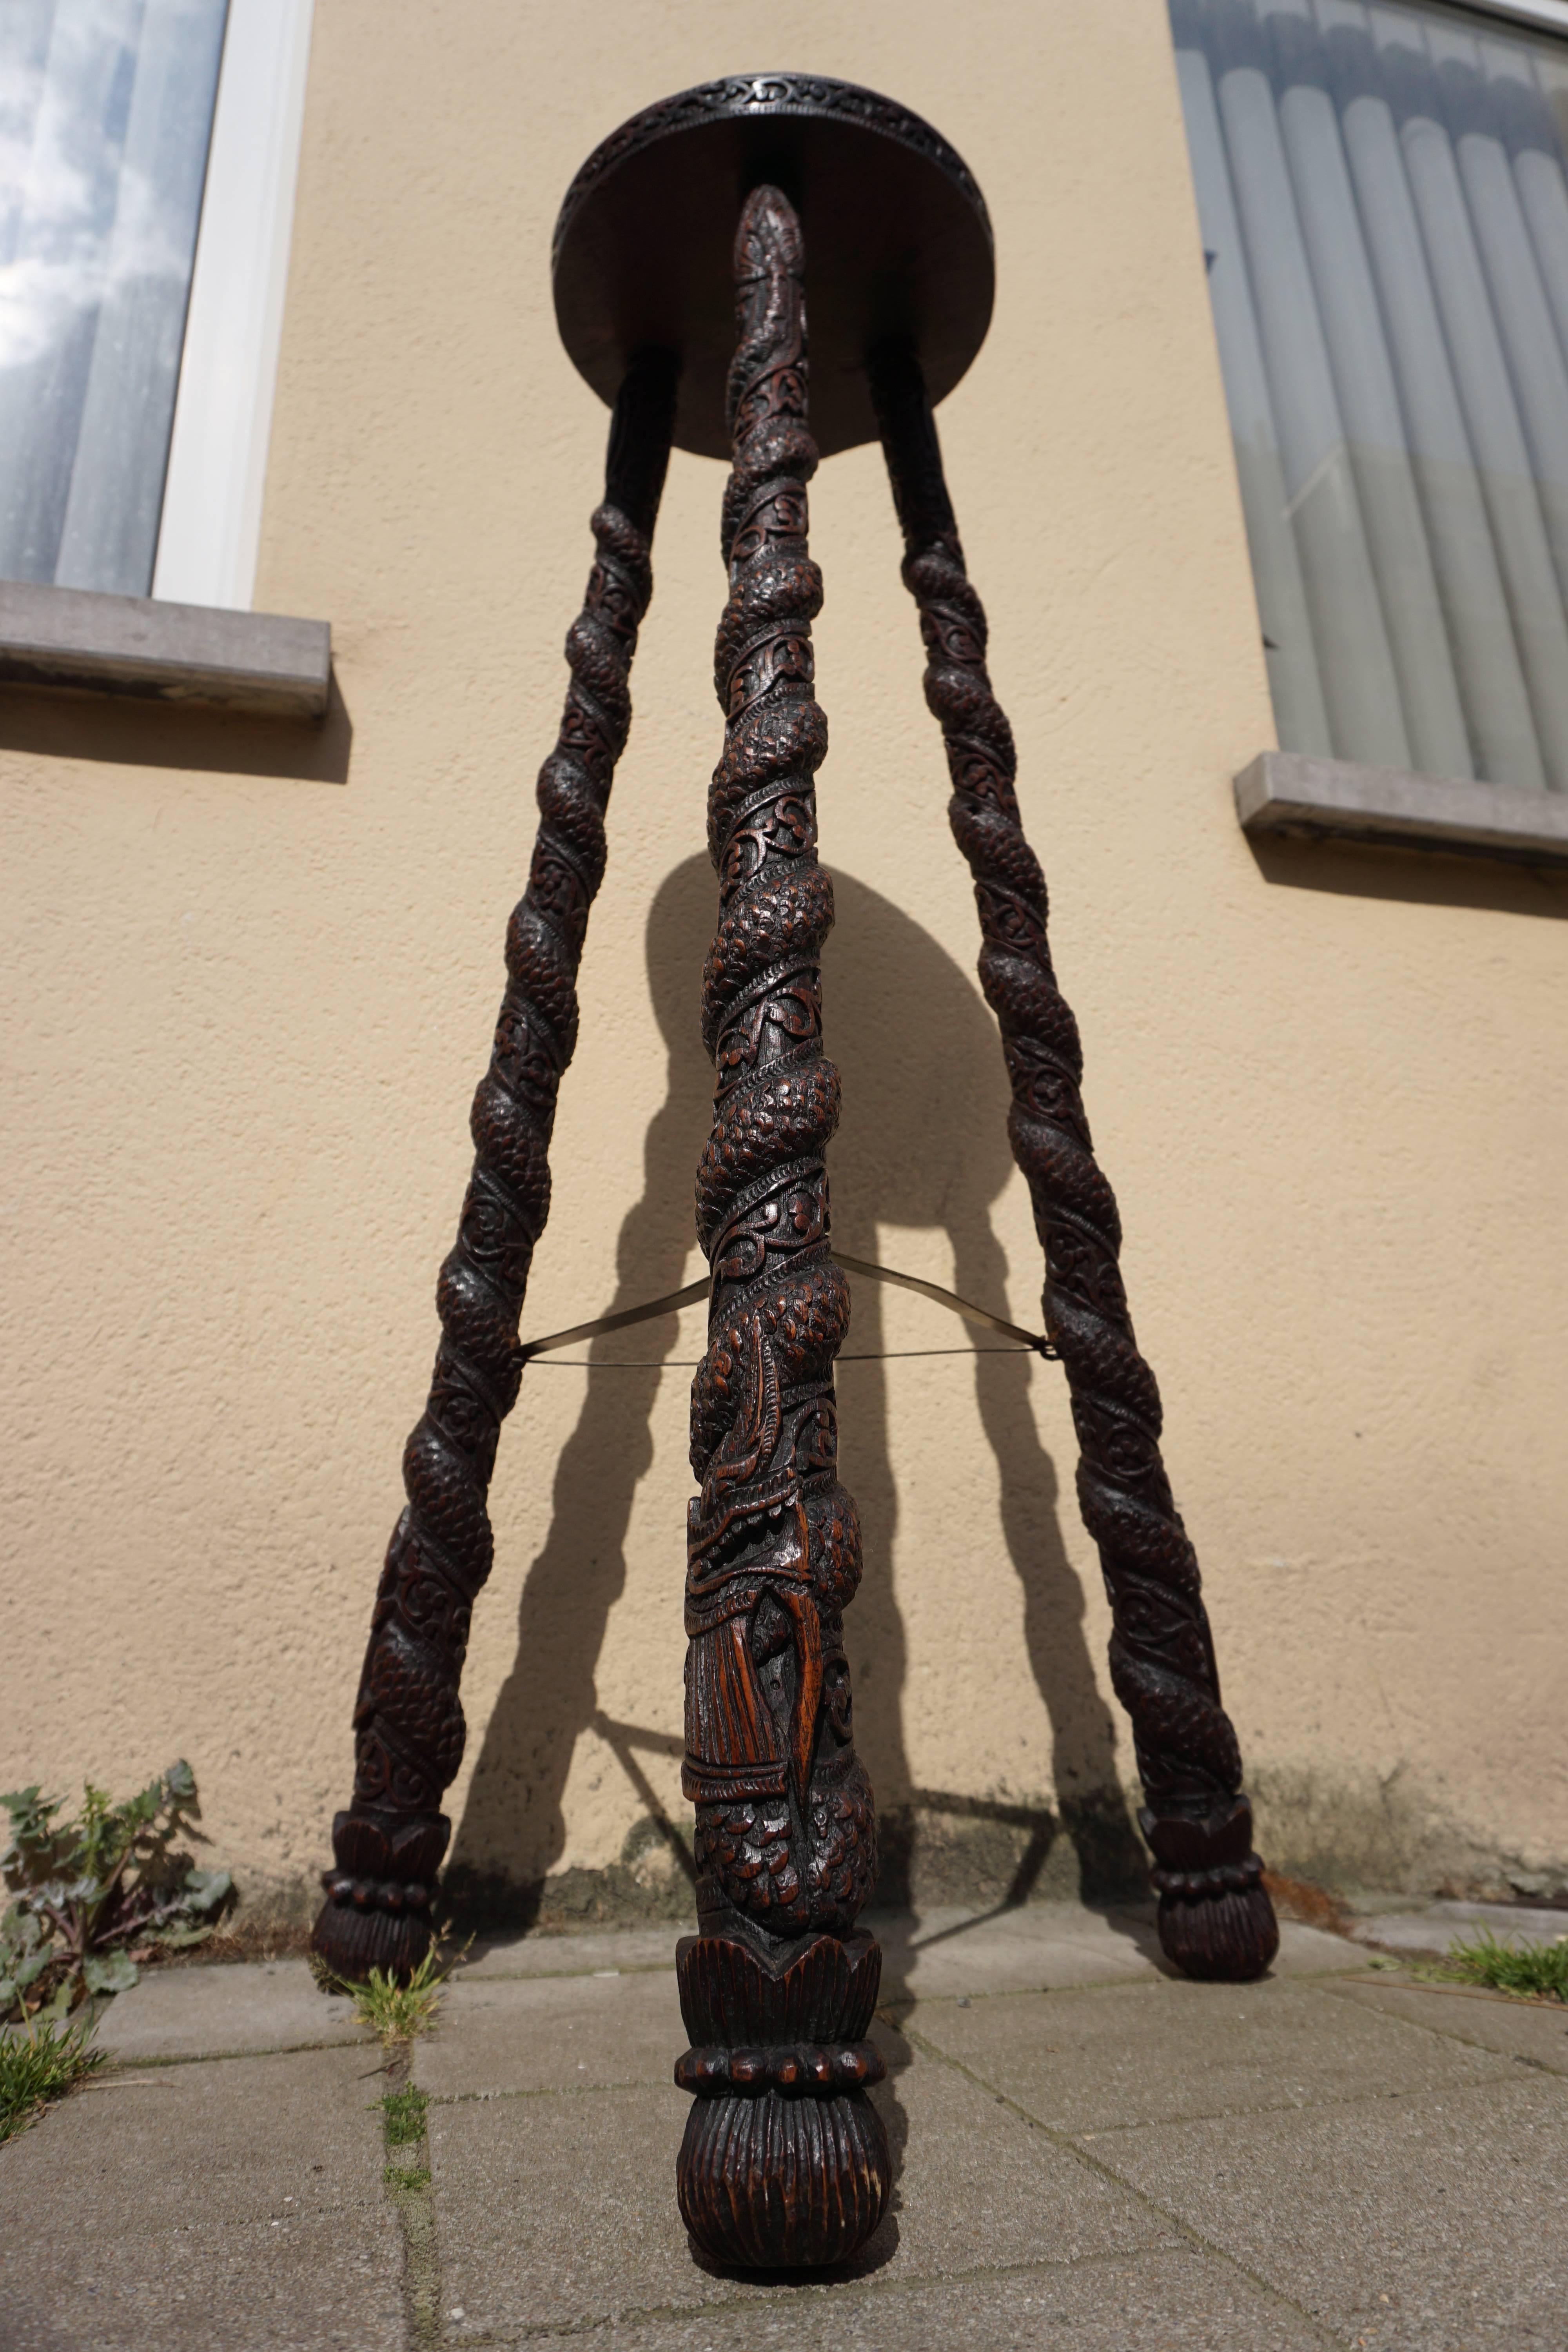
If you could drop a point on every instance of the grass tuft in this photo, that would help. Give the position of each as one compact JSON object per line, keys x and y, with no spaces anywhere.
{"x":39,"y":2065}
{"x":416,"y":2179}
{"x":398,"y":2013}
{"x":403,"y":2126}
{"x":1528,"y":1970}
{"x":403,"y":2117}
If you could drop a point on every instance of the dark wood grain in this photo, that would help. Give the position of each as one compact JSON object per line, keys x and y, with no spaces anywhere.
{"x":1216,"y":1918}
{"x":784,"y":2160}
{"x":408,"y":1719}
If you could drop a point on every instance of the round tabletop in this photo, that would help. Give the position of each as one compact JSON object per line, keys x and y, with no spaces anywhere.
{"x":898,"y":245}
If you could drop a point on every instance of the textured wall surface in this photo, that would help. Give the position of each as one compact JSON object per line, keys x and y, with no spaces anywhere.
{"x":250,"y":978}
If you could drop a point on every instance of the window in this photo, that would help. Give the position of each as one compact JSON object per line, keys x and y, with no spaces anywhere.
{"x":147,"y":159}
{"x":1385,"y":214}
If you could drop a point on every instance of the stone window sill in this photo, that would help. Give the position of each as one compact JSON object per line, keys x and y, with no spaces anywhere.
{"x":1307,"y":799}
{"x":74,"y":641}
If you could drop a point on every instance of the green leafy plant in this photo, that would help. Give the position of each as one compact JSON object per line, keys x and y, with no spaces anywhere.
{"x":1530,"y":1971}
{"x":95,"y":1896}
{"x":37,"y":2065}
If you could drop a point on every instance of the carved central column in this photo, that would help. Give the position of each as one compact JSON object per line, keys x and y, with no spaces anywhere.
{"x":784,"y":2159}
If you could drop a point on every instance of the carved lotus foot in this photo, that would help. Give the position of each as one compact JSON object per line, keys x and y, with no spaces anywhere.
{"x":784,"y":2165}
{"x":782,"y":2181}
{"x":1216,"y":1922}
{"x":379,"y":1894}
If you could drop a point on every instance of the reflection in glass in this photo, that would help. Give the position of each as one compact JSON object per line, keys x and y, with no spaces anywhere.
{"x":1384,"y":215}
{"x":106,"y":111}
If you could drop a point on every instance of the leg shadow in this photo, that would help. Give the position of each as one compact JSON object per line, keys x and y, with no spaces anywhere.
{"x":924,"y":1142}
{"x":513,"y":1832}
{"x":1111,"y":1863}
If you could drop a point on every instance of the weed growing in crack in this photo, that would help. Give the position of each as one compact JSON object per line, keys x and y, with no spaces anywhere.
{"x":39,"y":2065}
{"x":1530,"y":1971}
{"x":403,"y":2115}
{"x":412,"y":2177}
{"x":398,"y":2013}
{"x":403,"y":2126}
{"x":406,"y":2174}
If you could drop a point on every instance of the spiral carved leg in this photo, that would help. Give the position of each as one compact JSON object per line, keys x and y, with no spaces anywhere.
{"x":408,"y":1719}
{"x":1216,"y":1918}
{"x":784,"y":2160}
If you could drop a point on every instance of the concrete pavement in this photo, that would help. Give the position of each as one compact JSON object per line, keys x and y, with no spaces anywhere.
{"x":1091,"y":2154}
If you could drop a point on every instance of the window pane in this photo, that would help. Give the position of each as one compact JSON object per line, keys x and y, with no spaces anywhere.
{"x":105,"y":114}
{"x":1384,"y":214}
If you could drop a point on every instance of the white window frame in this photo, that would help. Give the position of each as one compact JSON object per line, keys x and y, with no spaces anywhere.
{"x":210,"y":533}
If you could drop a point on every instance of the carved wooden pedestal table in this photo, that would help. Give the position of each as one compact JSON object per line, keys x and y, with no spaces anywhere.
{"x":689,"y":250}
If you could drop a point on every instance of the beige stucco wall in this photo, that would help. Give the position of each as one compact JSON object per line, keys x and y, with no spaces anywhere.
{"x":250,"y":983}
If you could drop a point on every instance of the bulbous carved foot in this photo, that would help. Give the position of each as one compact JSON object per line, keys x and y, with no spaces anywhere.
{"x":784,"y":2164}
{"x":1216,"y":1921}
{"x":379,"y":1894}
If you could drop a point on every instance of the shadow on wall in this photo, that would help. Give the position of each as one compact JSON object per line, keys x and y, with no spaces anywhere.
{"x":1411,"y":875}
{"x":924,"y":1142}
{"x":128,"y":731}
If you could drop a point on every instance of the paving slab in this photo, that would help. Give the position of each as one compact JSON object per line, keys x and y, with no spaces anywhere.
{"x":1175,"y":2299}
{"x":1431,"y":1928}
{"x":236,"y":2203}
{"x":979,"y":2188}
{"x":1043,"y":1947}
{"x":1030,"y":1947}
{"x":549,"y":1955}
{"x":1107,"y":2060}
{"x":498,"y":2036}
{"x":201,"y":2012}
{"x":559,"y":2209}
{"x":1424,"y":2223}
{"x":1090,"y":2152}
{"x":1534,"y":2030}
{"x":929,"y":1951}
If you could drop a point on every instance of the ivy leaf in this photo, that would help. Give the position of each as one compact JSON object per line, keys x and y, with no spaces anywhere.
{"x":19,"y":1933}
{"x":113,"y":1972}
{"x":205,"y":1889}
{"x":57,"y":2009}
{"x":27,"y":1969}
